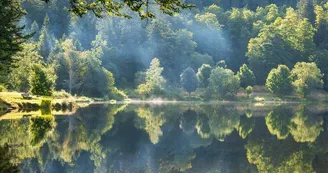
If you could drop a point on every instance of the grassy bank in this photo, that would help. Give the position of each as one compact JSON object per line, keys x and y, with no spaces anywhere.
{"x":15,"y":100}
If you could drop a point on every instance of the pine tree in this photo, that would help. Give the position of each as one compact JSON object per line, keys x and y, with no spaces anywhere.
{"x":35,"y":31}
{"x":45,"y":40}
{"x":305,"y":9}
{"x":42,"y":81}
{"x":11,"y":35}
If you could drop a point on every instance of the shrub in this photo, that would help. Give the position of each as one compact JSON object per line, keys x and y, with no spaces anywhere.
{"x":249,"y":90}
{"x":189,"y":80}
{"x":203,"y":74}
{"x":306,"y":77}
{"x":61,"y":94}
{"x":3,"y":88}
{"x":279,"y":81}
{"x":246,"y":76}
{"x":223,"y":82}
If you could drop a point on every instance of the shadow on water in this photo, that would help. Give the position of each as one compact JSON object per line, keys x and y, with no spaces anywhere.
{"x":181,"y":137}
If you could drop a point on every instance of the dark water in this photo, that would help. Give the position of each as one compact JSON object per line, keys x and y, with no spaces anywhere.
{"x":169,"y":138}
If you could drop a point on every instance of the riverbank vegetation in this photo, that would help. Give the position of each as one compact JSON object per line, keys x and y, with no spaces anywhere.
{"x":218,"y":50}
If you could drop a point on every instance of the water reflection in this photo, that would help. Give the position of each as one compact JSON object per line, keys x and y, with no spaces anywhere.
{"x":169,"y":138}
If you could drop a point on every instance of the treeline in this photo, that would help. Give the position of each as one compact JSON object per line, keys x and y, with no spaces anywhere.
{"x":92,"y":56}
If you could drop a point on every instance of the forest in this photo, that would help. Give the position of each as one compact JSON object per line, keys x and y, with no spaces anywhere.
{"x":205,"y":49}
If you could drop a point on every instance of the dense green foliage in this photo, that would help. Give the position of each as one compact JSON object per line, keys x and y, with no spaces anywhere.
{"x":11,"y":35}
{"x":246,"y":76}
{"x":114,"y":8}
{"x":154,"y":81}
{"x":203,"y":74}
{"x":279,"y":81}
{"x":42,"y":80}
{"x":189,"y":80}
{"x":306,"y":77}
{"x":95,"y":56}
{"x":223,"y":82}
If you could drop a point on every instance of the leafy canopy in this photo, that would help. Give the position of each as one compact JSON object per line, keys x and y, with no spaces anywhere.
{"x":114,"y":8}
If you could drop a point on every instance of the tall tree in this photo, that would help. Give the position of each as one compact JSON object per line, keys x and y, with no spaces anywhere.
{"x":42,"y":80}
{"x":45,"y":39}
{"x":35,"y":30}
{"x":154,"y":79}
{"x":11,"y":35}
{"x":305,"y":9}
{"x":23,"y":66}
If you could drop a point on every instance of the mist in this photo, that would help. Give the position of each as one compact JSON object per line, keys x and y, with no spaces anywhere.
{"x":178,"y":41}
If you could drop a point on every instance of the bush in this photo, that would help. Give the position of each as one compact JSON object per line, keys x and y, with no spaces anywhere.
{"x":249,"y":90}
{"x":279,"y":81}
{"x":203,"y":74}
{"x":61,"y":94}
{"x":3,"y":88}
{"x":224,"y":83}
{"x":246,"y":76}
{"x":306,"y":77}
{"x":189,"y":80}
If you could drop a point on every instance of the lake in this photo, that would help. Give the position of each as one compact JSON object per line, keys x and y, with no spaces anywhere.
{"x":180,"y":137}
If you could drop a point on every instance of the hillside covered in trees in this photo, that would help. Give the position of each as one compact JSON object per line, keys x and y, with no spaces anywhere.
{"x":212,"y":51}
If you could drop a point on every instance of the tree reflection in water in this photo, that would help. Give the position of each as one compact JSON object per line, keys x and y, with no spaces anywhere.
{"x":169,"y":138}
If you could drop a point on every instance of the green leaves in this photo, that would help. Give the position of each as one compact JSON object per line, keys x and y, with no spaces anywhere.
{"x":154,"y":80}
{"x":11,"y":34}
{"x":115,"y":8}
{"x":246,"y":76}
{"x":279,"y":81}
{"x":223,"y":82}
{"x":189,"y":80}
{"x":42,"y":81}
{"x":307,"y":77}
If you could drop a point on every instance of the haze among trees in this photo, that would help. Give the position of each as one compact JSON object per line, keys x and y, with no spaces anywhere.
{"x":204,"y":49}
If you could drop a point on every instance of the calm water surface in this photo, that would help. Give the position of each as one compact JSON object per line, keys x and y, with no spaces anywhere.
{"x":148,"y":138}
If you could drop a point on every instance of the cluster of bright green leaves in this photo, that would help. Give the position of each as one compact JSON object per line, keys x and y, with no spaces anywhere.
{"x":114,"y":8}
{"x":223,"y":82}
{"x":154,"y":81}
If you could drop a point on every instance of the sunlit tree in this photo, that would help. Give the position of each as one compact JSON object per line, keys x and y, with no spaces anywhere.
{"x":306,"y":77}
{"x":279,"y":81}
